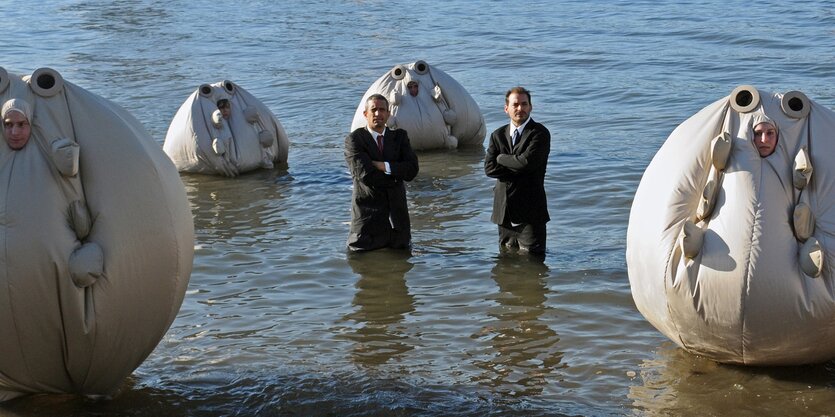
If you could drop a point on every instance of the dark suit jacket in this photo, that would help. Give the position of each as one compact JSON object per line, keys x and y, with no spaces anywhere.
{"x":379,"y":200}
{"x":519,"y":194}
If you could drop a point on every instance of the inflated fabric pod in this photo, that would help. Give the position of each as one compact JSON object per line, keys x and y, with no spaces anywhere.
{"x":442,"y":115}
{"x":730,"y":254}
{"x":97,"y":242}
{"x":199,"y":140}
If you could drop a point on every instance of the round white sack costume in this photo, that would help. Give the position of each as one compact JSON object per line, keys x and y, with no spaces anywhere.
{"x":200,"y":140}
{"x":97,"y":242}
{"x":730,"y":254}
{"x":442,"y":115}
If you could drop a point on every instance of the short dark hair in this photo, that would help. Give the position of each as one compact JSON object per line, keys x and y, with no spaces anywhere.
{"x":223,"y":103}
{"x":517,"y":90}
{"x":376,"y":97}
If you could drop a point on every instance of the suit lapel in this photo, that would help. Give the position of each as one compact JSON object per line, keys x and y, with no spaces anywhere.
{"x":525,"y":134}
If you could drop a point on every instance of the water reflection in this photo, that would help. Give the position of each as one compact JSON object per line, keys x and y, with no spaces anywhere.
{"x":382,"y":302}
{"x":678,"y":383}
{"x":524,"y":348}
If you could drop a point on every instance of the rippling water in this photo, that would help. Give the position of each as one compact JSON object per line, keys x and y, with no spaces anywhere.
{"x":279,"y":320}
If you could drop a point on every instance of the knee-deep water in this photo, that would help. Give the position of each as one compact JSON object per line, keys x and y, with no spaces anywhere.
{"x":280,"y":320}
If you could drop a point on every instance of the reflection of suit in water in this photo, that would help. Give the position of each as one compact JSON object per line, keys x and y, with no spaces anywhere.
{"x":525,"y":348}
{"x":379,"y":214}
{"x":382,"y":301}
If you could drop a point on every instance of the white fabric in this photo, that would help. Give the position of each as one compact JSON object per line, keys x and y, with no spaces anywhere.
{"x":443,"y":115}
{"x":18,"y":105}
{"x":95,"y":253}
{"x":744,"y":298}
{"x":194,"y":132}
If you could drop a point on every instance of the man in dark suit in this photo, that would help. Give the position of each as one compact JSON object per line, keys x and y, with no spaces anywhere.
{"x":380,"y":160}
{"x":516,"y":158}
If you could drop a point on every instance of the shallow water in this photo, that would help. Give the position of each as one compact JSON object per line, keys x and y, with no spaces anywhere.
{"x":280,"y":320}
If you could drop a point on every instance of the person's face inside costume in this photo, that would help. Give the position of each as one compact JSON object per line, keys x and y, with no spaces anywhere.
{"x":225,"y":107}
{"x":377,"y":114}
{"x":17,"y":130}
{"x":413,"y":88}
{"x":518,"y":107}
{"x":765,"y":138}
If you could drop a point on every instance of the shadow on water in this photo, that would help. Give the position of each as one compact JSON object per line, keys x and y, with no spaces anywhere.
{"x":382,"y":302}
{"x":678,"y":383}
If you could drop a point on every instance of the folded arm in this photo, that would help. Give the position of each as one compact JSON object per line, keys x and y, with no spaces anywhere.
{"x":491,"y":165}
{"x":406,"y":166}
{"x":532,"y":158}
{"x":362,"y":166}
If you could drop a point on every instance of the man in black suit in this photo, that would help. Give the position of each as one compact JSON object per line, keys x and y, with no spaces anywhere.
{"x":516,"y":158}
{"x":380,"y":160}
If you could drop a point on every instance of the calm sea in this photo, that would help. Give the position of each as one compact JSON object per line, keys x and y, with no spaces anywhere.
{"x":279,"y":320}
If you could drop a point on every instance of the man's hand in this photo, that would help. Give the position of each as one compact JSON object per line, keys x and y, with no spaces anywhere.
{"x":379,"y":165}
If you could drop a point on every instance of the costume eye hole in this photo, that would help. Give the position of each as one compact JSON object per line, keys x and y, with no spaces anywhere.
{"x":398,"y":72}
{"x":795,"y":105}
{"x":421,"y":67}
{"x":46,"y":82}
{"x":745,"y":98}
{"x":205,"y":90}
{"x":4,"y":79}
{"x":229,"y":86}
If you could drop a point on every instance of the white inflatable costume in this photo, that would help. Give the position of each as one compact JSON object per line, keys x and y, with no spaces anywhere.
{"x":442,"y":115}
{"x":200,"y":140}
{"x":96,"y":237}
{"x":730,"y":254}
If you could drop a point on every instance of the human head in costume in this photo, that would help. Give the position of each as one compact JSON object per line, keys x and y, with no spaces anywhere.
{"x":225,"y":107}
{"x":412,"y":86}
{"x":766,"y":134}
{"x":16,"y":115}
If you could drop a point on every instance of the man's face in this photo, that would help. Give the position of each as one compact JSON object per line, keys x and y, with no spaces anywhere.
{"x":377,"y":114}
{"x":518,"y":107}
{"x":765,"y":138}
{"x":16,"y":128}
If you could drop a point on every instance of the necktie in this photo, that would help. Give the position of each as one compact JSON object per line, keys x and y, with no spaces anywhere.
{"x":380,"y":143}
{"x":516,"y":135}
